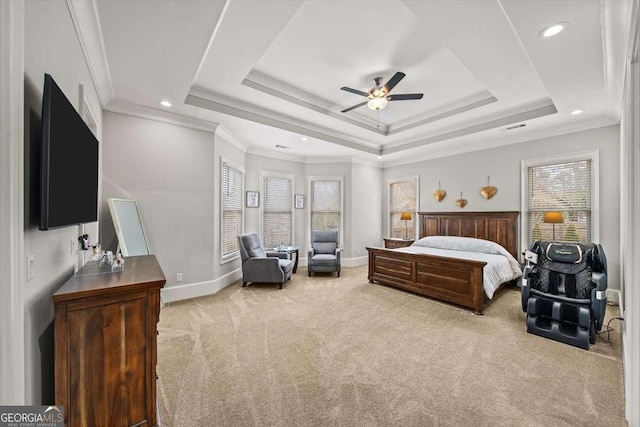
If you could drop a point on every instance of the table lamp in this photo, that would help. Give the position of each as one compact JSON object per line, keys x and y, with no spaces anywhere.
{"x":406,"y":216}
{"x":554,"y":218}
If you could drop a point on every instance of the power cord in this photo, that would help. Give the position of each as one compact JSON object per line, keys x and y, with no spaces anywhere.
{"x":608,"y":330}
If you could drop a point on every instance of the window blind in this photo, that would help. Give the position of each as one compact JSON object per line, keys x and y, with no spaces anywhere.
{"x":402,"y":198}
{"x":565,"y":188}
{"x":277,"y":219}
{"x":326,"y":204}
{"x":232,"y":214}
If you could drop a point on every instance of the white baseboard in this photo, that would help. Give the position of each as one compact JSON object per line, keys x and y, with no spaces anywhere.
{"x":614,"y":296}
{"x":345,"y":262}
{"x":355,"y":262}
{"x":199,"y":289}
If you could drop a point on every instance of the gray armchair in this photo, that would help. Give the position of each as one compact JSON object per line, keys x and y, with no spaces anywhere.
{"x":260,"y":266}
{"x":324,"y":255}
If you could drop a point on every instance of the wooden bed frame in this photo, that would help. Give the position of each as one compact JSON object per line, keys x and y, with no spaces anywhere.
{"x":453,"y":280}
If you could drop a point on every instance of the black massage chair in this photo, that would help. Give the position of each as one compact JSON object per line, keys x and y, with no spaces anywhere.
{"x":564,"y":291}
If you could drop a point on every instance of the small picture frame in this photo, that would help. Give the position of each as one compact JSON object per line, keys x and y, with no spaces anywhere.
{"x":299,"y":201}
{"x":253,"y":199}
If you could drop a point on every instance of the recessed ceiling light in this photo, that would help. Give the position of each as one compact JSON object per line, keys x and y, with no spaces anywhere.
{"x":165,"y":103}
{"x":553,"y":30}
{"x":576,"y":112}
{"x":304,"y":138}
{"x":379,"y":157}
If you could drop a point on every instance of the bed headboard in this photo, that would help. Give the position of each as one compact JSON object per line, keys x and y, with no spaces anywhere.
{"x":499,"y":227}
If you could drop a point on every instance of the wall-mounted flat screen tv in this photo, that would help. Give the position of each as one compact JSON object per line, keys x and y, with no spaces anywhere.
{"x":69,"y":163}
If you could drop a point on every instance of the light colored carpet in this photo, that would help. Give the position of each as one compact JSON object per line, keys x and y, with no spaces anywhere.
{"x":327,"y":351}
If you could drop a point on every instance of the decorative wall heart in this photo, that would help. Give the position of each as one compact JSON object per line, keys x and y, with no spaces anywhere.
{"x":489,"y":191}
{"x":439,"y":195}
{"x":461,"y":202}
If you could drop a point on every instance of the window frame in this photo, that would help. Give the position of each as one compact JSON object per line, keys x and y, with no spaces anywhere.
{"x":593,"y":156}
{"x":225,"y":258}
{"x":415,"y":178}
{"x":323,"y":178}
{"x":272,"y":174}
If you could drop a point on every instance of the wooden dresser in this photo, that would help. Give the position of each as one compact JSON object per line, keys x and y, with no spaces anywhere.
{"x":397,"y":243}
{"x":105,"y":344}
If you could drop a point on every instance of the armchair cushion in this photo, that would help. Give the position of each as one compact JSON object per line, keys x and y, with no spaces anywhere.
{"x":252,"y":244}
{"x":325,"y":247}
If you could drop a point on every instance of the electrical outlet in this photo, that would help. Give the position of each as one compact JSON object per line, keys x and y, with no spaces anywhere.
{"x":72,"y":246}
{"x":178,"y":277}
{"x":30,"y":261}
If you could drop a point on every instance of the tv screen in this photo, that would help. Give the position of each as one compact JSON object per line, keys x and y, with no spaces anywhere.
{"x":69,"y":163}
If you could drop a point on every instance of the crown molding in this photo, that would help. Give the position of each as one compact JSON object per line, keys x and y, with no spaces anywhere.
{"x":541,"y":111}
{"x":287,"y":92}
{"x":84,"y":14}
{"x":458,"y":107}
{"x":257,"y":151}
{"x":284,"y":91}
{"x":144,"y":112}
{"x":213,"y":101}
{"x":453,"y":148}
{"x":232,"y":138}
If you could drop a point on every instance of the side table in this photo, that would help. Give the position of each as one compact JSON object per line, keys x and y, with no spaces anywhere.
{"x":397,"y":243}
{"x":291,"y":251}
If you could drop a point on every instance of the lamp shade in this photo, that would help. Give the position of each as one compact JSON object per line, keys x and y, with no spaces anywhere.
{"x":553,"y":217}
{"x":405,"y":216}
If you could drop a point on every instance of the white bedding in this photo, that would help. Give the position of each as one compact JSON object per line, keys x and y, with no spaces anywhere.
{"x":501,"y":265}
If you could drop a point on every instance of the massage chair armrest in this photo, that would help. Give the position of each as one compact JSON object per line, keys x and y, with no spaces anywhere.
{"x":524,"y":290}
{"x":599,"y":298}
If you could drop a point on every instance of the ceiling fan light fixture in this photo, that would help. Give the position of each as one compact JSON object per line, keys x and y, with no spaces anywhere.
{"x":376,"y":104}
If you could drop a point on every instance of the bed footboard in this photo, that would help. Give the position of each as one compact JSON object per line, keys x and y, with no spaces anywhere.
{"x":453,"y":280}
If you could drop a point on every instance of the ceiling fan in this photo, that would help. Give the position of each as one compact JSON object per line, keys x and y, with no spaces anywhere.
{"x":379,"y":95}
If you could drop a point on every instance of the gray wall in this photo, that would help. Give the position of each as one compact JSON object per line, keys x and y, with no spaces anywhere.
{"x":468,"y":172}
{"x":51,"y":46}
{"x":170,"y":171}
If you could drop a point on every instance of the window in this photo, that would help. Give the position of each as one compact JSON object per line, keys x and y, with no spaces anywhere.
{"x":403,"y":197}
{"x":232,"y":216}
{"x":326,"y":204}
{"x":565,"y":185}
{"x":277,"y":211}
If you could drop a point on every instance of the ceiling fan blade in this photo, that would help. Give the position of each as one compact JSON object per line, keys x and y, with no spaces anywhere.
{"x":356,"y":91}
{"x":355,"y":106}
{"x":393,"y":81}
{"x":405,"y":97}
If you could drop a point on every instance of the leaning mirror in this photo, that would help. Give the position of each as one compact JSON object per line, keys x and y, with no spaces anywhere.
{"x":127,"y":222}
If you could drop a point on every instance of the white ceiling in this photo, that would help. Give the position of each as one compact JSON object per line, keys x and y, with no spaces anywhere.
{"x":270,"y":72}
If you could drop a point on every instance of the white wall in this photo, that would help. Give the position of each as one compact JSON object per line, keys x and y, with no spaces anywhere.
{"x":468,"y":173}
{"x":170,"y":171}
{"x":365,"y":212}
{"x":51,"y":46}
